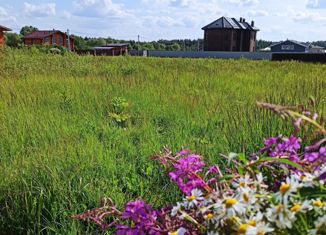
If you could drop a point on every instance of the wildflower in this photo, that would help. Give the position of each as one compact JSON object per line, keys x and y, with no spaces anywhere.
{"x":286,"y":189}
{"x":180,"y":231}
{"x":280,"y":215}
{"x":301,"y":207}
{"x":318,"y":204}
{"x":233,"y":207}
{"x":246,"y":229}
{"x":263,"y":228}
{"x":184,"y":173}
{"x":242,"y":182}
{"x":176,"y":209}
{"x":193,"y":199}
{"x":246,"y":196}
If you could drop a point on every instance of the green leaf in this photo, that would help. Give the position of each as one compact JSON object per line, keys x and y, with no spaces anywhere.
{"x":280,"y":160}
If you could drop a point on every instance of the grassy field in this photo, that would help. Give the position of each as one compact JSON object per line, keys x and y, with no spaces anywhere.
{"x":61,"y":151}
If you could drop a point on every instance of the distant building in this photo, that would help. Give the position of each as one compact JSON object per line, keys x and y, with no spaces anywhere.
{"x":107,"y":50}
{"x":49,"y":37}
{"x":229,"y":34}
{"x":295,"y":46}
{"x":2,"y":35}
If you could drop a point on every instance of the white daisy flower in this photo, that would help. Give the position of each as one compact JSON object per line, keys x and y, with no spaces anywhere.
{"x":281,"y":216}
{"x":176,"y":209}
{"x":246,"y":196}
{"x":289,"y":187}
{"x":233,"y":206}
{"x":318,"y":205}
{"x":263,"y":228}
{"x":301,"y":207}
{"x":194,"y":198}
{"x":246,"y":229}
{"x":180,"y":231}
{"x":242,"y":183}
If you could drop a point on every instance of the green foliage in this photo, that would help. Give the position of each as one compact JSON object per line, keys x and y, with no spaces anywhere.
{"x":119,"y":111}
{"x":27,"y":30}
{"x":13,"y":40}
{"x":60,"y":153}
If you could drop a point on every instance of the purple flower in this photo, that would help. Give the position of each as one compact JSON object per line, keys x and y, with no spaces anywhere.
{"x":311,"y":157}
{"x":212,"y":170}
{"x":143,"y":217}
{"x":184,"y":174}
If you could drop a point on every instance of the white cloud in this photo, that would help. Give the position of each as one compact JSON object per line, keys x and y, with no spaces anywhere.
{"x":182,"y":3}
{"x":99,"y":8}
{"x":40,"y":10}
{"x":3,"y":12}
{"x":257,"y":13}
{"x":308,"y":17}
{"x":316,"y":4}
{"x":243,"y":2}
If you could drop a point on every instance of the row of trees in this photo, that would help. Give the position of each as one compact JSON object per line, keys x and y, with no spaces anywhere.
{"x":15,"y":40}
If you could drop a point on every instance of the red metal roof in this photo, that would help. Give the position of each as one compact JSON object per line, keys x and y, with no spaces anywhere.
{"x":3,"y":28}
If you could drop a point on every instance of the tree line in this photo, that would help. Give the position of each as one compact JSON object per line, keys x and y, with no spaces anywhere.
{"x":83,"y":43}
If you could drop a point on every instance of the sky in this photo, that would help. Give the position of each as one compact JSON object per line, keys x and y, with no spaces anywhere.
{"x":302,"y":20}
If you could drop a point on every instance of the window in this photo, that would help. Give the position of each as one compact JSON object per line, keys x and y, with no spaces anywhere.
{"x":47,"y":40}
{"x":54,"y":39}
{"x":61,"y":40}
{"x":288,"y":47}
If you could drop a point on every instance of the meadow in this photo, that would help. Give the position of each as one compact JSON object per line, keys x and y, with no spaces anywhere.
{"x":76,"y":129}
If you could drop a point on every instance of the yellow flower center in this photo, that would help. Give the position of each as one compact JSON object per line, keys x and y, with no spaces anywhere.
{"x":230,"y":202}
{"x":260,"y":232}
{"x":209,"y":216}
{"x":302,"y":177}
{"x":284,"y":188}
{"x":242,"y":184}
{"x":253,"y":223}
{"x":242,"y":229}
{"x":318,"y":203}
{"x":191,"y":198}
{"x":173,"y":233}
{"x":295,"y":208}
{"x":245,"y":197}
{"x":279,"y":208}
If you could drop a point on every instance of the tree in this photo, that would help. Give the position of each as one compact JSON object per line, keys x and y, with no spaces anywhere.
{"x":175,"y":47}
{"x":27,"y":30}
{"x":13,"y":40}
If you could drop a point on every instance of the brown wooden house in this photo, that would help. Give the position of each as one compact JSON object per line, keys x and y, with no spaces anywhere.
{"x":2,"y":35}
{"x":49,"y":37}
{"x":230,"y":34}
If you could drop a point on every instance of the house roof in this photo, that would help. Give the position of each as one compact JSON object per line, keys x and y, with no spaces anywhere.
{"x":230,"y":23}
{"x":3,"y":28}
{"x":40,"y":34}
{"x":103,"y":48}
{"x":304,"y":44}
{"x":117,"y":45}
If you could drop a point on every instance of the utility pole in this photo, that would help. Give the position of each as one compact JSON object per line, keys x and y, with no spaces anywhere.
{"x":184,"y":44}
{"x":138,"y":43}
{"x":198,"y":44}
{"x":69,"y":49}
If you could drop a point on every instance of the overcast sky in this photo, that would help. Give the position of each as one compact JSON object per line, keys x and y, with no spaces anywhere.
{"x":303,"y":20}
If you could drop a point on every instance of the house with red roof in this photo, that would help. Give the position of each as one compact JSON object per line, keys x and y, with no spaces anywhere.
{"x":49,"y":37}
{"x":2,"y":34}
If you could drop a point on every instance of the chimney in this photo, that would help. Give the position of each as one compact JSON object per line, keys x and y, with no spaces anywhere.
{"x":240,"y":19}
{"x":243,"y":20}
{"x":252,"y":23}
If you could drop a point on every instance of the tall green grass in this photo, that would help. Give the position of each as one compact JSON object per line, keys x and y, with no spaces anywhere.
{"x":60,"y":152}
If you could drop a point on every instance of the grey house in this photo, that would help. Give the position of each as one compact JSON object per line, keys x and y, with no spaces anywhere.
{"x":295,"y":46}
